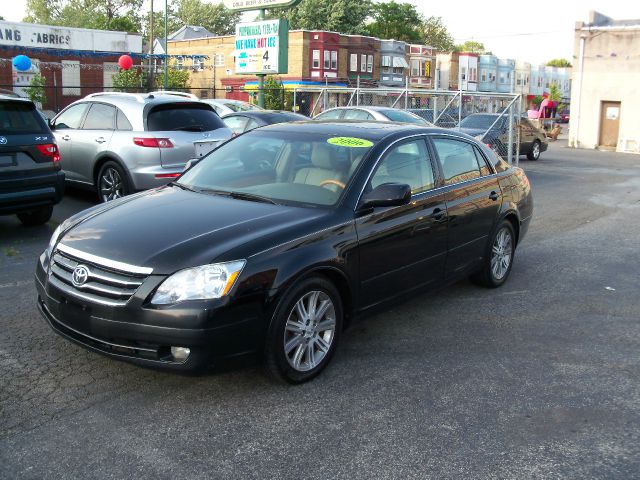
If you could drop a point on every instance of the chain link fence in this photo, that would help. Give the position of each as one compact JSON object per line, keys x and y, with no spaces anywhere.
{"x":492,"y":118}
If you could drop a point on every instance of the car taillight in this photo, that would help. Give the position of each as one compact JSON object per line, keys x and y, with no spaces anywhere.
{"x":167,"y":175}
{"x":153,"y":142}
{"x":49,"y":150}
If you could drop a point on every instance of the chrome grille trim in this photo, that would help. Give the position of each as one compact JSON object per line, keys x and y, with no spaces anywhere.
{"x":104,"y":262}
{"x":111,"y":279}
{"x":84,"y":296}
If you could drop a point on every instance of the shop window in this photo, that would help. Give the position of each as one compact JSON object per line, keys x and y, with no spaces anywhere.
{"x":316,"y":59}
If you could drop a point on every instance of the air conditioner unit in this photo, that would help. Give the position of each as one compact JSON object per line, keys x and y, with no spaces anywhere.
{"x":228,"y":88}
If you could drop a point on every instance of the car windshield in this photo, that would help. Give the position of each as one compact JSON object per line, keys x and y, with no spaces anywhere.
{"x":187,"y":116}
{"x":241,"y":106}
{"x":20,"y":117}
{"x":478,"y":121}
{"x":294,"y":168}
{"x":406,"y":117}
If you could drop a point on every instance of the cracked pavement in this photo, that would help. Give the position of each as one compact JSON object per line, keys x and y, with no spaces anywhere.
{"x":537,"y":379}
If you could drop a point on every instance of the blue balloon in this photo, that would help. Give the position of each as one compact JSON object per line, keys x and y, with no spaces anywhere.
{"x":22,"y":63}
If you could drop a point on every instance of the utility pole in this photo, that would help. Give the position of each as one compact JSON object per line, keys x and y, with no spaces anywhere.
{"x":152,"y":60}
{"x":261,"y":76}
{"x":166,"y":45}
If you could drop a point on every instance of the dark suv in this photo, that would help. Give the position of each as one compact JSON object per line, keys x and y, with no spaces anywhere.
{"x":31,"y":180}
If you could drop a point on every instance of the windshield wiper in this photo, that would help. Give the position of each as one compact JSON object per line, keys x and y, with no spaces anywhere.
{"x":180,"y":185}
{"x":238,"y":195}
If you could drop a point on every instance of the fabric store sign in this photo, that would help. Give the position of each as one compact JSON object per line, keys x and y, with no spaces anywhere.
{"x":262,"y":47}
{"x":31,"y":35}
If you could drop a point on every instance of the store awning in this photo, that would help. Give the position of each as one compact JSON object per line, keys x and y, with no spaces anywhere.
{"x":400,"y":62}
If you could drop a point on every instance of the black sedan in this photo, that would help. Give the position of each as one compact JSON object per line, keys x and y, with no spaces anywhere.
{"x":241,"y":122}
{"x":273,"y":241}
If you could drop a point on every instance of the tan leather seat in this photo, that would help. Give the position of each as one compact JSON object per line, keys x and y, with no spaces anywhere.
{"x":325,"y":167}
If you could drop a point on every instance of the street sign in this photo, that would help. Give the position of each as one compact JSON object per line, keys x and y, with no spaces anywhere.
{"x":262,"y":47}
{"x":238,"y":5}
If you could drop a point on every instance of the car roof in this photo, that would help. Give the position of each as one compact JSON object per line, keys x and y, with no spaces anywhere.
{"x":14,"y":98}
{"x":366,"y":129}
{"x":264,"y":113}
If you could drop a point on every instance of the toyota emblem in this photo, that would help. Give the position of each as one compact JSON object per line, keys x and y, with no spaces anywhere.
{"x":3,"y":140}
{"x":80,"y":275}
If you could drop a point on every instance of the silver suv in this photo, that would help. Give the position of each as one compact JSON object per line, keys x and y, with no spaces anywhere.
{"x":118,"y":143}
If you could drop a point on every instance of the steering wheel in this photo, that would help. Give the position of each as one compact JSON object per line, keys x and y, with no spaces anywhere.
{"x":332,"y":181}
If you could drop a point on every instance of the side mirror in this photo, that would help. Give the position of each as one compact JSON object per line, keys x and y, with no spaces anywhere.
{"x":191,"y":163}
{"x":387,"y":195}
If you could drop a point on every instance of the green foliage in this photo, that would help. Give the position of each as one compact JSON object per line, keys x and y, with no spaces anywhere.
{"x":177,"y":79}
{"x":131,"y":80}
{"x":36,"y":91}
{"x":119,"y":15}
{"x":399,"y":21}
{"x":214,"y":17}
{"x":559,"y":62}
{"x":436,"y":35}
{"x":471,"y":47}
{"x":344,"y":16}
{"x":554,"y":93}
{"x":537,"y":100}
{"x":275,"y":96}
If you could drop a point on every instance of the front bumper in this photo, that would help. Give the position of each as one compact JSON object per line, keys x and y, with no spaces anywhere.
{"x":31,"y":192}
{"x":142,"y":334}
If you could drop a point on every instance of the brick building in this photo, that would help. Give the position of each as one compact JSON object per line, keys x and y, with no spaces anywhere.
{"x":73,"y":61}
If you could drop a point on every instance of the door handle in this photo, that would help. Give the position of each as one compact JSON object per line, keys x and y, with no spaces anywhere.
{"x":66,"y":137}
{"x":439,"y":215}
{"x":494,"y":196}
{"x":100,"y":140}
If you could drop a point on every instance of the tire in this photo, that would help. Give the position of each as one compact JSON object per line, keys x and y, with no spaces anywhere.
{"x":501,"y":248}
{"x":296,"y":350}
{"x":112,"y":182}
{"x":36,"y":217}
{"x":534,"y":153}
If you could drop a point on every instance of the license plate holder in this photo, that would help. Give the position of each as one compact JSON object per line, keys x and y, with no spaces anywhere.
{"x":204,"y":147}
{"x":8,"y":161}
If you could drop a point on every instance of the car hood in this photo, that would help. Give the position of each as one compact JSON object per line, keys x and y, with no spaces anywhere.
{"x":169,"y":228}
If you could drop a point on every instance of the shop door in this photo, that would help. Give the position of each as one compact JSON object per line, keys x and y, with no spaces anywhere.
{"x":609,"y":124}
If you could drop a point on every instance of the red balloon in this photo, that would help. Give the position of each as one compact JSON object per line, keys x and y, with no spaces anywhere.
{"x":125,"y":62}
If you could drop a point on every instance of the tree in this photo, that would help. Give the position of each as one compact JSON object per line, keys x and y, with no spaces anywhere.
{"x":436,"y":35}
{"x":559,"y":62}
{"x":554,"y":93}
{"x":344,"y":16}
{"x":214,"y":17}
{"x":400,"y":21}
{"x":36,"y":89}
{"x":129,"y":80}
{"x":471,"y":47}
{"x":177,"y":80}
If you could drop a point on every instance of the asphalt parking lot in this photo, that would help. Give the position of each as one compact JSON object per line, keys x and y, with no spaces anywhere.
{"x":537,"y":379}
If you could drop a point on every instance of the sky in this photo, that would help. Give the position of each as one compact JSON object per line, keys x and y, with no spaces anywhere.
{"x":541,"y":32}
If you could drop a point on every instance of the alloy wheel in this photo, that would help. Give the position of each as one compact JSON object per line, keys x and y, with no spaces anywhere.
{"x":535,"y":151}
{"x":501,"y":254}
{"x":309,"y":331}
{"x":111,"y":186}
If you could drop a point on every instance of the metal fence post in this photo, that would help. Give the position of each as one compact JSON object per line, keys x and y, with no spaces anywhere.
{"x":460,"y":108}
{"x":295,"y":100}
{"x":510,"y":146}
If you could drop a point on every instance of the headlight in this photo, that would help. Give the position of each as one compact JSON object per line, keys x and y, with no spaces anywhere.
{"x":199,"y":283}
{"x":54,"y":240}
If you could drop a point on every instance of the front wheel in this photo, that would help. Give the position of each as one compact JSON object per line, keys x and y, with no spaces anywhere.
{"x":534,"y":153}
{"x":304,"y":333}
{"x":499,"y":259}
{"x":112,"y":182}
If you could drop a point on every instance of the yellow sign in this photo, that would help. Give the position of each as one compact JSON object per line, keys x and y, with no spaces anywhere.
{"x":350,"y":142}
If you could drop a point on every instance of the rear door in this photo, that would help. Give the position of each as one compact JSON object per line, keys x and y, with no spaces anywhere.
{"x":65,"y":128}
{"x":92,"y":139}
{"x":25,"y":145}
{"x":473,"y":199}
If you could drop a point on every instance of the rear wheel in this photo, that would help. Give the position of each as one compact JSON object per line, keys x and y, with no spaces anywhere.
{"x":112,"y":182}
{"x":305,"y":330}
{"x":534,"y":153}
{"x":36,"y":217}
{"x":499,"y":258}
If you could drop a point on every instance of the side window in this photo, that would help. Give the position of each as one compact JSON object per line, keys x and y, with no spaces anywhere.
{"x":357,"y":115}
{"x":121,"y":121}
{"x":458,"y":160}
{"x":100,"y":117}
{"x":406,"y":163}
{"x":484,"y":168}
{"x":71,"y":117}
{"x":329,"y":115}
{"x":236,"y":123}
{"x":251,"y":124}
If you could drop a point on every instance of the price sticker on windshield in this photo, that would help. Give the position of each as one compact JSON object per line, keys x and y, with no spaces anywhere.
{"x":350,"y":142}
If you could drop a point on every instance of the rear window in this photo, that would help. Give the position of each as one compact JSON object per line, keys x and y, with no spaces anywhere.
{"x":20,"y":117}
{"x":400,"y":116}
{"x":187,"y":116}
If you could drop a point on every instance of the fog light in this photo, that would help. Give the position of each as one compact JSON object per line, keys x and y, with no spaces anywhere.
{"x":180,"y":354}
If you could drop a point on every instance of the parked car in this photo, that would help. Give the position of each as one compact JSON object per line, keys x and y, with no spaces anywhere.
{"x":493,"y":129}
{"x":119,"y":143}
{"x":245,"y":121}
{"x":31,"y":180}
{"x":564,"y":116}
{"x":225,"y":106}
{"x":382,"y":114}
{"x":231,"y":259}
{"x":447,"y":118}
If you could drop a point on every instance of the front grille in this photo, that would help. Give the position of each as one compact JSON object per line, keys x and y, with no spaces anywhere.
{"x":103,"y":286}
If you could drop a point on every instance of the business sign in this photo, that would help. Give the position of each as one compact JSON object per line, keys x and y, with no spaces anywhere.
{"x":262,"y":47}
{"x":20,"y":34}
{"x":238,"y":5}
